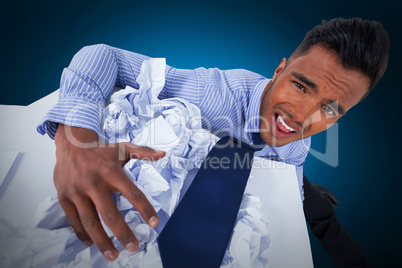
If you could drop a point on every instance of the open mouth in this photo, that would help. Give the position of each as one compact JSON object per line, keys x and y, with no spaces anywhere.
{"x":282,"y":127}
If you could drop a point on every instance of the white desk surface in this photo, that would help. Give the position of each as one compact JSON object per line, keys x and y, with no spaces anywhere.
{"x":27,"y":160}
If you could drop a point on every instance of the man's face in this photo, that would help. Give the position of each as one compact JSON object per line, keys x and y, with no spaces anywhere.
{"x":308,"y":96}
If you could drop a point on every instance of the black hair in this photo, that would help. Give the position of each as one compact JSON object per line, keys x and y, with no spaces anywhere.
{"x":362,"y":45}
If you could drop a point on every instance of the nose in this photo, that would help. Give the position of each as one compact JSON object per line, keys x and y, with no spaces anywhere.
{"x":305,"y":113}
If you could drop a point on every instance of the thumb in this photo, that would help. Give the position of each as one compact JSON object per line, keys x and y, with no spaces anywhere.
{"x":141,"y":152}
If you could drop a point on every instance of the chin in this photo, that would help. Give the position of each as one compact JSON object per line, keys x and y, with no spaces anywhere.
{"x":270,"y":140}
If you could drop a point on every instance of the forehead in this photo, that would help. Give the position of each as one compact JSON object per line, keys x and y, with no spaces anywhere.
{"x":323,"y":68}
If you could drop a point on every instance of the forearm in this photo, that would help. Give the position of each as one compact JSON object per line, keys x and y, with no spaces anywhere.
{"x":95,"y":70}
{"x":338,"y":244}
{"x":86,"y":84}
{"x":324,"y":224}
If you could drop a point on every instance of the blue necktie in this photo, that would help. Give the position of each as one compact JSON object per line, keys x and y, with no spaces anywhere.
{"x":200,"y":228}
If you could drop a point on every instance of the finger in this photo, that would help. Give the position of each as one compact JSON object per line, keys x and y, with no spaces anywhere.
{"x":136,"y":198}
{"x":75,"y":222}
{"x":140,"y":152}
{"x":114,"y":220}
{"x":92,"y":225}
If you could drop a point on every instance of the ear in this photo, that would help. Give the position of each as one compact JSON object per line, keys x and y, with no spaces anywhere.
{"x":280,"y":68}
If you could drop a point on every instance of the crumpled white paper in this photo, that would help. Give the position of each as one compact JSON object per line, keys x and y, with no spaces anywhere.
{"x":172,"y":125}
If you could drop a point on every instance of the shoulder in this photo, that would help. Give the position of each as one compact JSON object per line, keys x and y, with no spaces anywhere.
{"x":234,"y":79}
{"x":240,"y":79}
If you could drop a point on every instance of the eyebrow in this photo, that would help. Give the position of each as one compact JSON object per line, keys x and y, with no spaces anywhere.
{"x":305,"y":80}
{"x":313,"y":86}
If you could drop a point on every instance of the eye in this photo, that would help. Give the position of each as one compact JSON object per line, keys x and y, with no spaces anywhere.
{"x":300,"y":86}
{"x":328,"y":110}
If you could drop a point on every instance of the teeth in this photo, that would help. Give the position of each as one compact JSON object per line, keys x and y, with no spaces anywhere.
{"x":284,"y":124}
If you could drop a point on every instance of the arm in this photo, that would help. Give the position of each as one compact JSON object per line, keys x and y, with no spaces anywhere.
{"x":86,"y":175}
{"x":87,"y":172}
{"x":324,"y":224}
{"x":87,"y":82}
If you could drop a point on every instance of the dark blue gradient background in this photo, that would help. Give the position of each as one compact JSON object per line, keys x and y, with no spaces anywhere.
{"x":39,"y":38}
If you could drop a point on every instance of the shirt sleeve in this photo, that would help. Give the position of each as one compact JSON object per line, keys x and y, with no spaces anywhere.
{"x":88,"y":82}
{"x":223,"y":96}
{"x":95,"y":70}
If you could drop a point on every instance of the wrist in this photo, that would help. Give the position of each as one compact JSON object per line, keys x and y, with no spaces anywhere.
{"x":77,"y":136}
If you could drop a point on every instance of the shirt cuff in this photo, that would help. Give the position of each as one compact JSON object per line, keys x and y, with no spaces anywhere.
{"x":75,"y":112}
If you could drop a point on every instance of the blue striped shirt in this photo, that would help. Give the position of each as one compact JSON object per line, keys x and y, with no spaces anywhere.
{"x":229,"y":100}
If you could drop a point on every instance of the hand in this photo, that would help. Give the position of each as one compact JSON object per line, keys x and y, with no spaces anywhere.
{"x":86,"y":174}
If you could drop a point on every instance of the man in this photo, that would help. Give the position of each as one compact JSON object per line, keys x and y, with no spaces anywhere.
{"x":333,"y":69}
